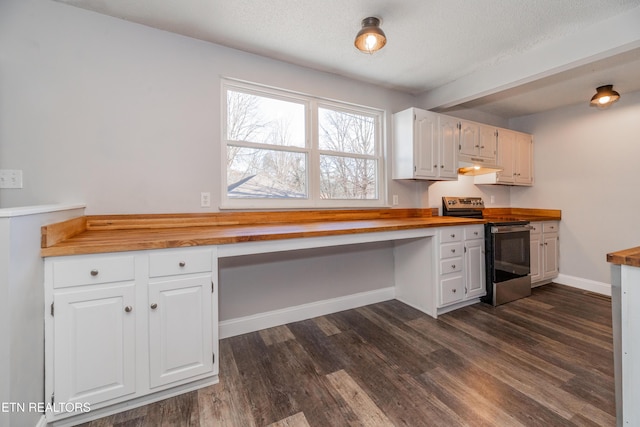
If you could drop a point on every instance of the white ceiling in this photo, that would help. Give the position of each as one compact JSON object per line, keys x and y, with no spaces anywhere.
{"x":451,"y":53}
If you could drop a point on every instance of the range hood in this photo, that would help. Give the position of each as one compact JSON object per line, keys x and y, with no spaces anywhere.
{"x":473,"y":166}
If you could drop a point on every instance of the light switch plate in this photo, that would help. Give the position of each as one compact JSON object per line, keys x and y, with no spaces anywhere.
{"x":10,"y":178}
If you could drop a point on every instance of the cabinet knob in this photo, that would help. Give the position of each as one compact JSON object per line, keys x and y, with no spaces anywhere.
{"x":477,"y":146}
{"x":482,"y":146}
{"x":94,"y":272}
{"x":453,"y":290}
{"x":182,"y":263}
{"x":453,"y":236}
{"x":453,"y":266}
{"x":453,"y":251}
{"x":435,"y":166}
{"x":475,"y":232}
{"x":442,"y":166}
{"x":128,"y":309}
{"x":545,"y":243}
{"x":154,"y":306}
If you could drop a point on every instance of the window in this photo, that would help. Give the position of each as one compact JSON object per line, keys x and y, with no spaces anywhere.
{"x":288,"y":150}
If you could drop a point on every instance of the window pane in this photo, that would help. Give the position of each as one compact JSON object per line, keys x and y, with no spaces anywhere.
{"x":258,"y":173}
{"x":253,"y":118}
{"x":347,"y":178}
{"x":346,"y":132}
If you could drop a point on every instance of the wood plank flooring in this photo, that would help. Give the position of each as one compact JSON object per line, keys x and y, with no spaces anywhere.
{"x":541,"y":361}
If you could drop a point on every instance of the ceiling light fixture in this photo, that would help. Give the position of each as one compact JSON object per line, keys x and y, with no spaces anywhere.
{"x":370,"y":38}
{"x":604,"y":97}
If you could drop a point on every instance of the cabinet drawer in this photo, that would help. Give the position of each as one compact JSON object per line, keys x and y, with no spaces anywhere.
{"x":450,"y":265}
{"x":550,"y":227}
{"x":452,"y":290}
{"x":93,"y":270}
{"x":536,"y":227}
{"x":450,"y":250}
{"x":450,"y":234}
{"x":182,"y":261}
{"x":474,"y":232}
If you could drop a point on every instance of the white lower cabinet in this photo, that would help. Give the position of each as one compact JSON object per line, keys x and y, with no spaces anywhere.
{"x":461,"y":272}
{"x":180,"y":329}
{"x":126,"y":326}
{"x":544,"y":251}
{"x":94,"y":353}
{"x":475,"y":268}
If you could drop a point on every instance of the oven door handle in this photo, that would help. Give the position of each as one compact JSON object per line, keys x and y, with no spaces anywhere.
{"x":500,"y":229}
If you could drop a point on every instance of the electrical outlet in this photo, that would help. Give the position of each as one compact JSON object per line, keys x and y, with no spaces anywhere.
{"x":395,"y":200}
{"x":205,"y":200}
{"x":10,"y":178}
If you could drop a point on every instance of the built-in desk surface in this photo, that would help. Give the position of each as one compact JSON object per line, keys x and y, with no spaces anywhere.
{"x":117,"y":233}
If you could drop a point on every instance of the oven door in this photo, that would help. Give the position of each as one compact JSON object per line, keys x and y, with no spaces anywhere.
{"x":511,"y":257}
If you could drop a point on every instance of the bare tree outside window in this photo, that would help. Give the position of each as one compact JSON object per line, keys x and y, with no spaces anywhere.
{"x":343,"y":176}
{"x":256,"y":172}
{"x":272,"y":154}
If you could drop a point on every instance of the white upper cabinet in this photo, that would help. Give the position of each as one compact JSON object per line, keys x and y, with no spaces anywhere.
{"x":523,"y":159}
{"x":477,"y":141}
{"x":428,"y":145}
{"x":515,"y":156}
{"x":448,"y":141}
{"x":424,"y":145}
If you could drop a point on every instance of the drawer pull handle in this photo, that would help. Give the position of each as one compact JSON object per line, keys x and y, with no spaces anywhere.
{"x":182,"y":263}
{"x":94,"y":272}
{"x":154,"y":306}
{"x":128,"y":309}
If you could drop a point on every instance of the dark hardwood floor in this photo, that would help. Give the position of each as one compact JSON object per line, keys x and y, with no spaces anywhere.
{"x":546,"y":360}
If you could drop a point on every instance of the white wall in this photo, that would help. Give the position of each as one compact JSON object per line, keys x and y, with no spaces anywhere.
{"x":587,"y":165}
{"x":5,"y":330}
{"x":22,"y":312}
{"x":259,"y":283}
{"x":126,"y":118}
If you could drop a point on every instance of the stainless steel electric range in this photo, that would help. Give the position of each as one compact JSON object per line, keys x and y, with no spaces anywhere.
{"x":507,"y":246}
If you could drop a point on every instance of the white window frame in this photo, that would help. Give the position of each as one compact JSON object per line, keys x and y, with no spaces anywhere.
{"x":311,"y":149}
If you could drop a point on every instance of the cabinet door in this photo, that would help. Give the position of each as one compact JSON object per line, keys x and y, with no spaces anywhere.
{"x":180,"y":328}
{"x":536,"y":257}
{"x":448,"y":147}
{"x":523,"y":159}
{"x":425,"y":147}
{"x":94,"y":350}
{"x":469,"y":139}
{"x":487,"y":142}
{"x":505,"y":156}
{"x":550,"y":263}
{"x":475,"y":268}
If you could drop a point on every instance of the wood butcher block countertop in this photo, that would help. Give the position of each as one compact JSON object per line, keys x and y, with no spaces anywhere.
{"x":118,"y":233}
{"x":630,"y":257}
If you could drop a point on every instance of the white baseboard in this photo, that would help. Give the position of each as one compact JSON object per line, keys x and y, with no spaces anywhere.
{"x":256,"y":322}
{"x":584,"y":284}
{"x":42,"y":422}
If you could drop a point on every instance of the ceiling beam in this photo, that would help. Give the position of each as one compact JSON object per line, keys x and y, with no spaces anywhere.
{"x":599,"y":41}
